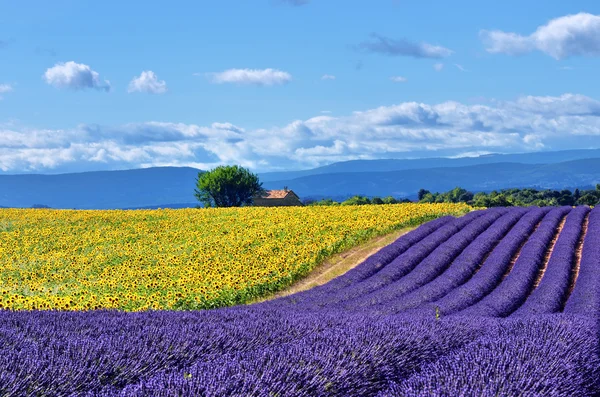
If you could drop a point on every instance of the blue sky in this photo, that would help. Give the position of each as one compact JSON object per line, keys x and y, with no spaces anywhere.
{"x":274,"y":84}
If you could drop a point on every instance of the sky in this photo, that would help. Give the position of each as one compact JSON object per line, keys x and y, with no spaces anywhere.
{"x":291,"y":84}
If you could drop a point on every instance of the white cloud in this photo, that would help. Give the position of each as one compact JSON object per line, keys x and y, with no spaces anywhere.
{"x":438,"y":67}
{"x":562,"y":37}
{"x":147,"y":82}
{"x":398,"y":79}
{"x":470,"y":154}
{"x":328,"y":77}
{"x":406,"y":129}
{"x":76,"y":76}
{"x":459,"y":67}
{"x":252,"y":76}
{"x":326,"y":111}
{"x":5,"y":88}
{"x":403,"y":47}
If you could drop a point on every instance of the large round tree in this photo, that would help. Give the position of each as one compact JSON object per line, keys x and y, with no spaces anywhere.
{"x":227,"y":186}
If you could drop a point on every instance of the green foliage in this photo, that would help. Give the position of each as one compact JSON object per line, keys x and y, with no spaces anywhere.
{"x":357,"y":200}
{"x":515,"y":197}
{"x":421,"y":194}
{"x":227,"y":186}
{"x":456,"y":195}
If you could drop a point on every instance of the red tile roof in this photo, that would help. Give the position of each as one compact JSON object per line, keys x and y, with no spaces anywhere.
{"x":276,"y":194}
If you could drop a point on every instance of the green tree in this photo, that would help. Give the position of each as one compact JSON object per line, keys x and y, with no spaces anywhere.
{"x":421,"y":194}
{"x":227,"y":186}
{"x":481,"y":200}
{"x":588,"y":199}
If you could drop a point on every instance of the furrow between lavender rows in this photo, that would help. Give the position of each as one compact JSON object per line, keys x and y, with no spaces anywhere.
{"x":461,"y":269}
{"x":491,"y":272}
{"x":513,"y":290}
{"x":549,"y":295}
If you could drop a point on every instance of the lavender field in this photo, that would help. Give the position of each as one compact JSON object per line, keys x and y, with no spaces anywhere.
{"x":499,"y":302}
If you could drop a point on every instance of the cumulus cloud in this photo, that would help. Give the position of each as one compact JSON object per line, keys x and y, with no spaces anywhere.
{"x":562,"y":37}
{"x":76,"y":76}
{"x":147,"y":82}
{"x":328,"y":77}
{"x":449,"y":128}
{"x":438,"y":67}
{"x":251,"y":76}
{"x":398,"y":79}
{"x":403,"y":47}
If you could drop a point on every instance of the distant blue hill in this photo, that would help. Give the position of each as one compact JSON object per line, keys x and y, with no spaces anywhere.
{"x":173,"y":187}
{"x":148,"y":187}
{"x":483,"y":177}
{"x":435,"y":162}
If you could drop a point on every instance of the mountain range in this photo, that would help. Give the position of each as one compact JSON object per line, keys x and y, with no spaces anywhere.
{"x":173,"y":187}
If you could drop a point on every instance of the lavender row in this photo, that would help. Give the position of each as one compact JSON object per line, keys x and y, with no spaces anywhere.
{"x":546,"y":356}
{"x":515,"y":288}
{"x":219,"y":353}
{"x":243,"y":352}
{"x":430,"y":268}
{"x":462,"y":268}
{"x":550,"y":295}
{"x":258,"y":352}
{"x":373,"y":263}
{"x":398,"y":267}
{"x":491,"y":272}
{"x":585,"y":298}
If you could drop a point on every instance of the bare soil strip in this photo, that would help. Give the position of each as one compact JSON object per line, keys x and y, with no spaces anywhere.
{"x":549,"y":253}
{"x":340,"y":263}
{"x":518,"y":253}
{"x":577,"y":259}
{"x":487,"y":255}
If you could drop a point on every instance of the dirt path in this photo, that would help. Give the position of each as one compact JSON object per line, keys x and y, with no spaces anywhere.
{"x":578,"y":252}
{"x":340,"y":263}
{"x":549,"y":252}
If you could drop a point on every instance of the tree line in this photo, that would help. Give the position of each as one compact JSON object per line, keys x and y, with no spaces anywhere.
{"x":514,"y":197}
{"x":497,"y":198}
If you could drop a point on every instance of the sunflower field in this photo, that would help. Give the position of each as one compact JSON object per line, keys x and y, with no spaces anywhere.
{"x":179,"y":259}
